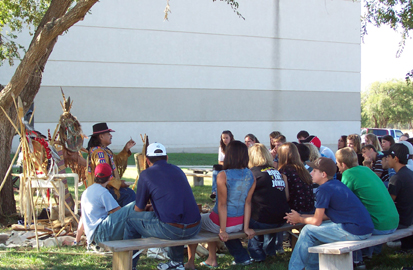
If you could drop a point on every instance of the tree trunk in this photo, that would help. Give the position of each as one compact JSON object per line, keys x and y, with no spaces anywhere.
{"x":28,"y":77}
{"x":7,"y":202}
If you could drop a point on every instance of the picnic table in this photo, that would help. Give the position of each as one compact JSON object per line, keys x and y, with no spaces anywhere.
{"x":199,"y":173}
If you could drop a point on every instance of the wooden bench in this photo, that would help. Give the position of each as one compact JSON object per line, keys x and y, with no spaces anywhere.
{"x":122,"y":249}
{"x":338,"y":255}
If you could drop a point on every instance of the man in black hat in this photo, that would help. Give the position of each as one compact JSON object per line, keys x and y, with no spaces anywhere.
{"x":98,"y":152}
{"x":401,"y":188}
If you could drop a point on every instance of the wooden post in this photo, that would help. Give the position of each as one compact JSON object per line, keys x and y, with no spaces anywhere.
{"x":122,"y":260}
{"x":336,"y":261}
{"x":198,"y":181}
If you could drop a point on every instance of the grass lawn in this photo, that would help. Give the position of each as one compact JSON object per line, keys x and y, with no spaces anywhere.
{"x":78,"y":258}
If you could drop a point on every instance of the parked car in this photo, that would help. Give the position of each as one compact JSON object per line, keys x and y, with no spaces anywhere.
{"x":380,"y":132}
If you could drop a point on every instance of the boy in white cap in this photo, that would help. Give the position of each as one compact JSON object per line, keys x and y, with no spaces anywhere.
{"x":176,"y":214}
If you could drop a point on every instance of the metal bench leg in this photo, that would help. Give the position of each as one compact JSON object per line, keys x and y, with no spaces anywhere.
{"x":122,"y":260}
{"x":336,"y":261}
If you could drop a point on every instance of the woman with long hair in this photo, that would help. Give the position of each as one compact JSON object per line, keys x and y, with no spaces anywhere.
{"x":269,"y":203}
{"x":373,"y":140}
{"x":354,"y":141}
{"x":250,"y":140}
{"x":299,"y":179}
{"x":273,"y":135}
{"x":226,"y":138}
{"x":232,"y":210}
{"x":342,"y":142}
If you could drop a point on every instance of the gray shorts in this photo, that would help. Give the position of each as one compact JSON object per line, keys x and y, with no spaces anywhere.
{"x":208,"y":225}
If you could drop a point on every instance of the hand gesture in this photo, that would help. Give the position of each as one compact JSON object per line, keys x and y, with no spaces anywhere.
{"x":131,"y":143}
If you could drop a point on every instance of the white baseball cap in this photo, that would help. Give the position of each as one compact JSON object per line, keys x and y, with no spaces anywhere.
{"x":409,"y":145}
{"x":156,"y":150}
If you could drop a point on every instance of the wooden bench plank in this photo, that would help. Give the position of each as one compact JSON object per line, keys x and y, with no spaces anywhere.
{"x":198,"y":174}
{"x":342,"y":247}
{"x":202,"y":237}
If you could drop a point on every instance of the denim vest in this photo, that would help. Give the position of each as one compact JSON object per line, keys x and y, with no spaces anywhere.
{"x":239,"y":182}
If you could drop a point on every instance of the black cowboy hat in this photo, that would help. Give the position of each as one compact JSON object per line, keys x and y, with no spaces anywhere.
{"x":101,"y":128}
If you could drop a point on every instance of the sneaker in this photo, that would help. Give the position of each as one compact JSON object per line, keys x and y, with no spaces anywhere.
{"x":247,"y":262}
{"x":359,"y":265}
{"x":171,"y":265}
{"x":280,"y":251}
{"x":257,"y":261}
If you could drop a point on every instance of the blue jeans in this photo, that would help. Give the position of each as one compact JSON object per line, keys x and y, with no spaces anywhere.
{"x":127,"y":196}
{"x":147,"y":224}
{"x":214,"y":181}
{"x":310,"y":236}
{"x":357,"y":255}
{"x":237,"y":251}
{"x":113,"y":226}
{"x":262,"y":246}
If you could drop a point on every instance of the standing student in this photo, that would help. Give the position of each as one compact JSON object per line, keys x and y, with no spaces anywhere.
{"x":335,"y":201}
{"x":226,"y":138}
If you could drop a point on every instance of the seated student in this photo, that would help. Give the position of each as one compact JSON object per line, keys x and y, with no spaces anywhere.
{"x":386,"y":142}
{"x":176,"y":214}
{"x":232,"y":210}
{"x":335,"y":201}
{"x":373,"y":140}
{"x":409,"y":145}
{"x":304,"y":152}
{"x":354,"y":141}
{"x":372,"y":161}
{"x":369,"y":188}
{"x":302,"y":135}
{"x":277,"y":142}
{"x":102,"y":218}
{"x":250,"y":140}
{"x":268,"y":205}
{"x":226,"y":138}
{"x":324,"y":150}
{"x":404,"y":137}
{"x":299,"y":179}
{"x":401,"y":188}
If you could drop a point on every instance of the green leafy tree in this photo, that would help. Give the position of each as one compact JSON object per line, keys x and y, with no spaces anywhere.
{"x":49,"y":18}
{"x":398,"y":14}
{"x":387,"y":103}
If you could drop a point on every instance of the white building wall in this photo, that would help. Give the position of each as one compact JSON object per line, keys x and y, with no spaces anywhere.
{"x":290,"y":65}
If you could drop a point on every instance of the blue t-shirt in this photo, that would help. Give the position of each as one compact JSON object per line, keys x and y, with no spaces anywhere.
{"x":171,"y":195}
{"x":342,"y":206}
{"x":96,"y":203}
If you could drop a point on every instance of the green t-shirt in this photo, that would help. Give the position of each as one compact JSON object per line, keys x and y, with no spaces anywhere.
{"x":371,"y":191}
